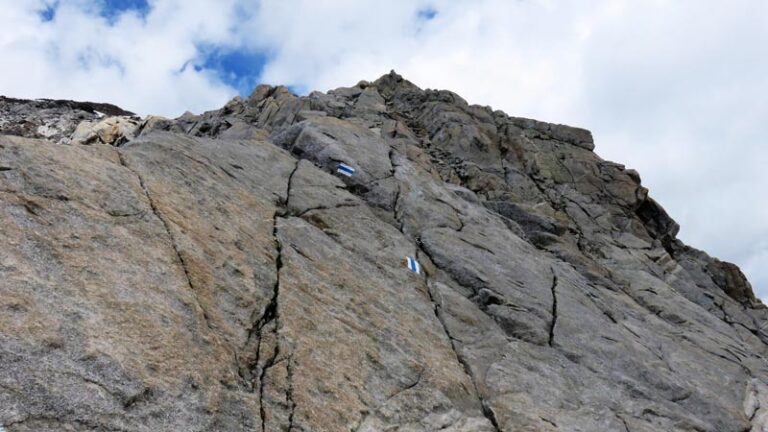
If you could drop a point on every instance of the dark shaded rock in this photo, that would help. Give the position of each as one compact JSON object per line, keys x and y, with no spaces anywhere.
{"x":657,"y":221}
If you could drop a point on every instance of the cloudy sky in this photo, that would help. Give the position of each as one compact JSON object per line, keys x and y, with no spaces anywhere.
{"x":677,"y":89}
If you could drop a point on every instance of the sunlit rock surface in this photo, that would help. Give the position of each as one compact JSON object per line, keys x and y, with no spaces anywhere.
{"x":216,"y":273}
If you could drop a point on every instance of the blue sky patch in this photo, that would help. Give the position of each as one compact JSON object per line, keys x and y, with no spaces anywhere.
{"x":111,"y":9}
{"x":238,"y":68}
{"x":427,"y":14}
{"x":298,"y":89}
{"x":49,"y":12}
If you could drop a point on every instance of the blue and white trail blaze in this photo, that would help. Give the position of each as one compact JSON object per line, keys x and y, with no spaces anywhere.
{"x":413,"y":265}
{"x":345,"y":169}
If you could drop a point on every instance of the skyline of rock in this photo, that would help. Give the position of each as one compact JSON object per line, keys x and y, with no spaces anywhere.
{"x":215,"y":272}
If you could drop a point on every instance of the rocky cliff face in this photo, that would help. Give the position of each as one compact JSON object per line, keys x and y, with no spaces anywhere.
{"x":217,"y":273}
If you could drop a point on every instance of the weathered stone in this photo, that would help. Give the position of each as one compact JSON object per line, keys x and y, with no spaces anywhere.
{"x":111,"y":131}
{"x":216,"y":272}
{"x":54,"y":120}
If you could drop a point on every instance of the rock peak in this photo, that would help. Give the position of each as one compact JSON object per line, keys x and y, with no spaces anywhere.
{"x":375,"y":257}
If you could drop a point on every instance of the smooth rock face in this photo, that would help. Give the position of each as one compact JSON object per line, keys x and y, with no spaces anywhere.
{"x":215,"y":273}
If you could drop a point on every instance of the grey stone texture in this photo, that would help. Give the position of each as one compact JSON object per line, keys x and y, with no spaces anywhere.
{"x":214,"y":273}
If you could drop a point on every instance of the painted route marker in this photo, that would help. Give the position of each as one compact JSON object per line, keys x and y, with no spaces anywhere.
{"x":413,"y":265}
{"x":345,"y":169}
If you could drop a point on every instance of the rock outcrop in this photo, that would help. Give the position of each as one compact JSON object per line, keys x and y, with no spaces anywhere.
{"x":54,"y":120}
{"x":216,"y":273}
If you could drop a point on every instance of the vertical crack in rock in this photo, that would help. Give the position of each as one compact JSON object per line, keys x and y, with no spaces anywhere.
{"x":398,"y":192}
{"x":554,"y":308}
{"x":624,"y":422}
{"x":289,"y":393}
{"x":274,"y":359}
{"x":272,"y":315}
{"x":392,"y":163}
{"x":590,"y":217}
{"x":485,"y":407}
{"x":397,"y":215}
{"x":172,"y":239}
{"x":288,"y":186}
{"x":269,"y":316}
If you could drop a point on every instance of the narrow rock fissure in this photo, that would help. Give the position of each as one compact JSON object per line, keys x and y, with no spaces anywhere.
{"x":485,"y":407}
{"x":607,"y":256}
{"x":342,"y":205}
{"x":270,"y":311}
{"x":624,"y":422}
{"x":262,"y":413}
{"x":392,"y":163}
{"x":725,"y":317}
{"x":475,"y":245}
{"x":272,"y":314}
{"x":416,"y":382}
{"x":757,"y":406}
{"x":548,"y":421}
{"x":580,"y":206}
{"x":487,"y":411}
{"x":554,"y":308}
{"x":168,"y":231}
{"x":455,"y":210}
{"x":289,"y":394}
{"x":567,"y":168}
{"x":396,"y":200}
{"x":289,"y":185}
{"x":122,"y":399}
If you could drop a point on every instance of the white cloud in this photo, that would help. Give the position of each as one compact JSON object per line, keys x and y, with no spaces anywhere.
{"x":677,"y":89}
{"x":134,"y":62}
